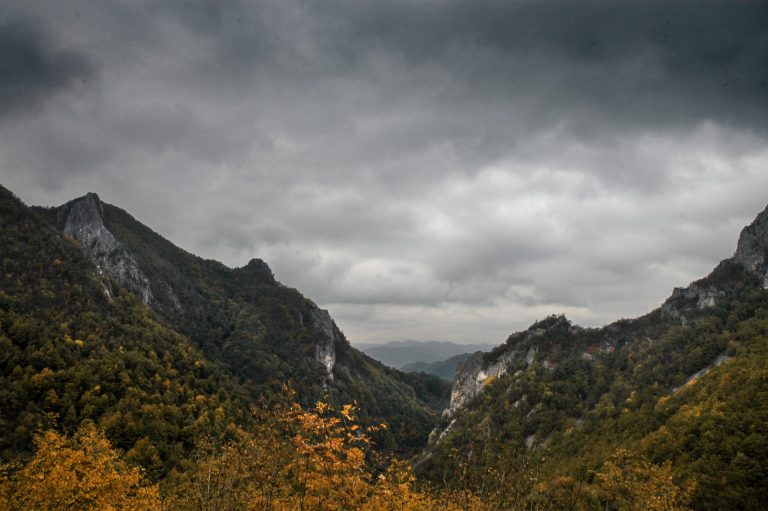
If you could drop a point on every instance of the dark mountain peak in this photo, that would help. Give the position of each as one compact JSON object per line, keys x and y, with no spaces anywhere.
{"x":553,"y":328}
{"x":257,"y":264}
{"x":6,"y":194}
{"x":89,"y":205}
{"x":257,"y":269}
{"x":90,"y":196}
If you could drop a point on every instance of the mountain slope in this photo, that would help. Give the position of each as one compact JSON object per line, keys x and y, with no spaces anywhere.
{"x":71,"y":353}
{"x":685,"y":383}
{"x":250,"y":326}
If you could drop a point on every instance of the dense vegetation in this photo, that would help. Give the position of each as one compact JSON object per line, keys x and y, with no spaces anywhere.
{"x":70,"y":354}
{"x":295,"y":459}
{"x":262,"y":334}
{"x":635,"y":387}
{"x":76,"y":346}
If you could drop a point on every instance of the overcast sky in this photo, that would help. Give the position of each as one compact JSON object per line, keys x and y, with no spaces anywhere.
{"x":425,"y":169}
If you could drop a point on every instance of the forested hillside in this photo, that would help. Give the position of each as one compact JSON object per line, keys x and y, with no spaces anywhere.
{"x":72,"y":352}
{"x":157,"y":368}
{"x":682,"y":389}
{"x":256,"y":330}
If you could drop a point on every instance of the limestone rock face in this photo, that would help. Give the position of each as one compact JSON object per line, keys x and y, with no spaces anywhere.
{"x":520,"y":351}
{"x":325,"y":350}
{"x":83,"y":220}
{"x":472,"y":375}
{"x":685,"y":301}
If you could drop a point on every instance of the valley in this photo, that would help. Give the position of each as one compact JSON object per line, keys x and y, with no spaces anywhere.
{"x":114,"y":335}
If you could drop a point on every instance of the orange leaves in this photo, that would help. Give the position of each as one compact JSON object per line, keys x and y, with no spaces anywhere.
{"x":303,"y":459}
{"x":295,"y":459}
{"x":82,"y":472}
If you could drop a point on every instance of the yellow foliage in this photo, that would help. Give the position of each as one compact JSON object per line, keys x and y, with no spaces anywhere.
{"x":42,"y":375}
{"x":296,"y":459}
{"x":304,"y":460}
{"x":635,"y":484}
{"x":82,"y":473}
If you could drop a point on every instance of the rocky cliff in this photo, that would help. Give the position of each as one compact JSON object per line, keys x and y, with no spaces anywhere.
{"x":83,"y":220}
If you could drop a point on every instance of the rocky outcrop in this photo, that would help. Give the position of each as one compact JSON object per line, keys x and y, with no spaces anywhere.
{"x":472,"y":375}
{"x":752,"y":248}
{"x":325,"y":347}
{"x":518,"y":353}
{"x":685,"y":302}
{"x":83,"y":220}
{"x":701,"y":372}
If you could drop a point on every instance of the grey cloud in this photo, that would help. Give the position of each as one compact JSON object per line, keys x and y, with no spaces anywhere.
{"x":640,"y":62}
{"x":33,"y":69}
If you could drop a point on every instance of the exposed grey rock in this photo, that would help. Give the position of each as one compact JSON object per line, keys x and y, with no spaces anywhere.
{"x":687,"y":300}
{"x":325,"y":351}
{"x":530,"y":356}
{"x":473,"y":374}
{"x":751,"y":253}
{"x":753,"y":243}
{"x":83,"y":220}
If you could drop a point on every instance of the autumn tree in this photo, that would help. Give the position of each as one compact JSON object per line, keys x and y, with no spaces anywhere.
{"x":82,"y":472}
{"x":304,"y":459}
{"x":632,"y":483}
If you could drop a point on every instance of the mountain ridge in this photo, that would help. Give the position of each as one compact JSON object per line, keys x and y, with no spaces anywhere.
{"x":255,"y":330}
{"x":654,"y":386}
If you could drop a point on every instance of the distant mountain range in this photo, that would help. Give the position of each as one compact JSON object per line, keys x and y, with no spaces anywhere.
{"x":445,"y":369}
{"x":399,"y":354}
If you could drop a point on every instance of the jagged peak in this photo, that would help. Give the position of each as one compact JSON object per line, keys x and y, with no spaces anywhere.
{"x":752,"y":246}
{"x":88,"y":198}
{"x":257,"y":268}
{"x":87,"y":208}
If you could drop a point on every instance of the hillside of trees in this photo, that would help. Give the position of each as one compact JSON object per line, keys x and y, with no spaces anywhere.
{"x":690,"y":398}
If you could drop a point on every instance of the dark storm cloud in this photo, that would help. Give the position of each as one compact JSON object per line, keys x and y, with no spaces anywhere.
{"x":635,"y":62}
{"x":33,"y":68}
